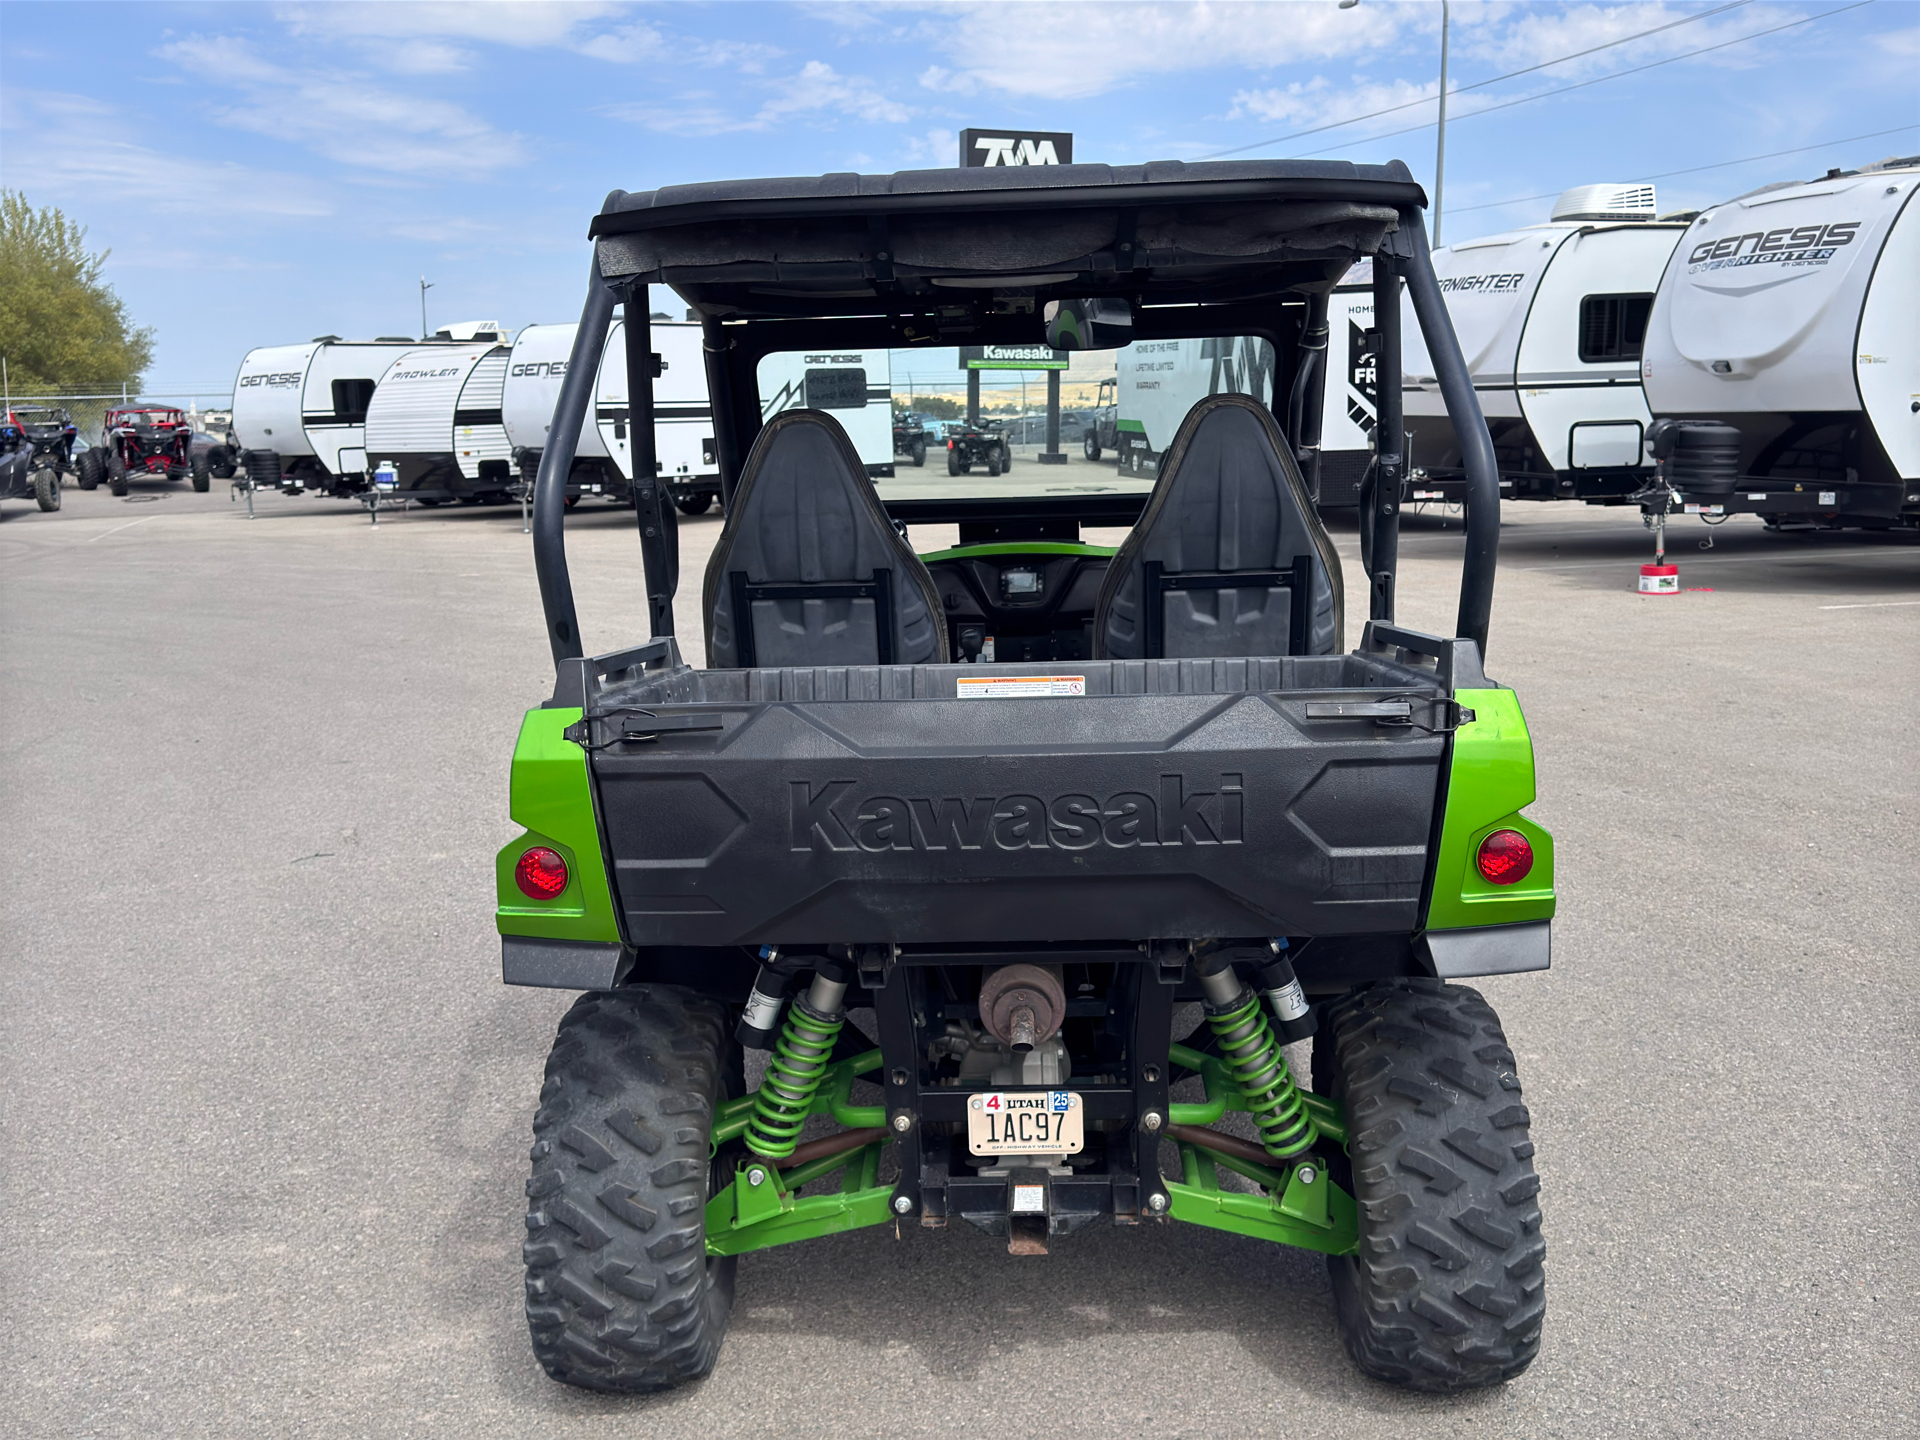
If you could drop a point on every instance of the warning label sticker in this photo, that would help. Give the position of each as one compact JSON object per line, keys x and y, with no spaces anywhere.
{"x":996,"y":687}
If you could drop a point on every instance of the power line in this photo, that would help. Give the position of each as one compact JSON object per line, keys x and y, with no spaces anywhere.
{"x":1694,"y":169}
{"x":1479,"y":84}
{"x":1599,"y":79}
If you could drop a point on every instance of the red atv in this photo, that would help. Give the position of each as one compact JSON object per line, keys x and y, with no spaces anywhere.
{"x":141,"y":440}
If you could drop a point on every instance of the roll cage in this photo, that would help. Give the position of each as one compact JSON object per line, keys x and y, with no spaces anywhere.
{"x":964,"y":257}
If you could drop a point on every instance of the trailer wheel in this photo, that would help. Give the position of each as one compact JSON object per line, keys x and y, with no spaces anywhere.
{"x":116,"y":473}
{"x":621,"y":1295}
{"x":1447,"y":1292}
{"x":220,"y":462}
{"x":46,"y":489}
{"x":201,"y":472}
{"x":695,"y":504}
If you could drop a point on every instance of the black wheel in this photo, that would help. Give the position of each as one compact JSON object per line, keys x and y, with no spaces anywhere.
{"x":1447,"y":1293}
{"x":1091,"y":445}
{"x":46,"y":489}
{"x":695,"y":504}
{"x":918,"y":453}
{"x":621,"y":1294}
{"x":954,"y":466}
{"x":572,"y":501}
{"x":116,"y":473}
{"x":201,"y":471}
{"x":220,"y":462}
{"x":93,"y":469}
{"x":995,"y":464}
{"x":429,"y":501}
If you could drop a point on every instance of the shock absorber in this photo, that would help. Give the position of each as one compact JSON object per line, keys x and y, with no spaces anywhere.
{"x":1254,"y":1060}
{"x":798,"y":1064}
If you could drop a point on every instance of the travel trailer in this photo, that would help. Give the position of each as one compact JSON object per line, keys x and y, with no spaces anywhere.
{"x":300,"y":412}
{"x":1551,"y":319}
{"x":854,"y":386}
{"x":435,"y":420}
{"x":1787,"y":315}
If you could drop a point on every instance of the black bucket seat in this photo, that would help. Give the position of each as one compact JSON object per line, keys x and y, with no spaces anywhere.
{"x":809,"y":570}
{"x":1230,"y":557}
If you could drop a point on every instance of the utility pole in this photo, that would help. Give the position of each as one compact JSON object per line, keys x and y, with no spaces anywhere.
{"x":425,"y":286}
{"x":1440,"y":139}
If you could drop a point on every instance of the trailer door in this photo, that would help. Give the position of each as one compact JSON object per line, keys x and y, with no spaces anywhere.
{"x":1887,"y":360}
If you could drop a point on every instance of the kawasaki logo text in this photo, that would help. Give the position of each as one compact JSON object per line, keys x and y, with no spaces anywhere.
{"x":1173,"y":813}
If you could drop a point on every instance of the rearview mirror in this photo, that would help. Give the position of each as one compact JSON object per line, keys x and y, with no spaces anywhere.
{"x":1102,"y":323}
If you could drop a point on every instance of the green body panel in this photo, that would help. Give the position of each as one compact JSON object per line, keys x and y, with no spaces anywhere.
{"x":1019,"y":547}
{"x":1131,"y":425}
{"x":1490,"y":779}
{"x":552,"y":795}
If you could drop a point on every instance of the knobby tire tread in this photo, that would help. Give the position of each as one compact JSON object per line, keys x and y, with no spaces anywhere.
{"x":1448,"y":1291}
{"x":621,"y":1295}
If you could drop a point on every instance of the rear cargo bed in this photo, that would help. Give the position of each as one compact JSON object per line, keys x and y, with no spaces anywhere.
{"x":874,"y":804}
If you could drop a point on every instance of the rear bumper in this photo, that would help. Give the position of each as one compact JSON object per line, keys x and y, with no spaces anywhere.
{"x":1487,"y":950}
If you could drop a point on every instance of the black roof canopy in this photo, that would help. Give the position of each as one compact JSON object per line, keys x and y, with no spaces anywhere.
{"x":1168,"y":232}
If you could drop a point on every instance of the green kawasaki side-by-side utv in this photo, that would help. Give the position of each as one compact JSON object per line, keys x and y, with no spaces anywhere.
{"x":1019,"y":803}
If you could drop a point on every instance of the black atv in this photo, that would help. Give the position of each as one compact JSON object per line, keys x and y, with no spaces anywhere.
{"x":961,"y":905}
{"x":910,"y":436}
{"x":39,"y":453}
{"x":142,"y":440}
{"x":969,"y":445}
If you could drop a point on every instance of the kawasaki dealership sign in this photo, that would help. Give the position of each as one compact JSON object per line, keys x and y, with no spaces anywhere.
{"x":1012,"y":357}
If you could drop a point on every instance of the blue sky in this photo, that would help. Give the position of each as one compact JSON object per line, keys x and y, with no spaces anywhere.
{"x":268,"y":172}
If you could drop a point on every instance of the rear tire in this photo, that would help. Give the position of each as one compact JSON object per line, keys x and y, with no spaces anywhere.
{"x":1090,"y":447}
{"x":695,"y":504}
{"x":1447,"y":1293}
{"x":220,"y":462}
{"x":621,"y":1294}
{"x":996,"y":461}
{"x":954,"y":466}
{"x":92,"y":467}
{"x":116,"y":474}
{"x":919,"y":453}
{"x":201,"y":472}
{"x":46,"y":489}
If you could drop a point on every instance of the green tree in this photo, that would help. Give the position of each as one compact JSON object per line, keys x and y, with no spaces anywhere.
{"x":62,"y":329}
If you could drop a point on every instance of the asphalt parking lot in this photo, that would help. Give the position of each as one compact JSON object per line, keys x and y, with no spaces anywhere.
{"x":267,"y":1105}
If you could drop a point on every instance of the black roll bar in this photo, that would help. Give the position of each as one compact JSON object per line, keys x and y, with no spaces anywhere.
{"x":557,"y":463}
{"x":1304,"y":397}
{"x":1470,"y":429}
{"x":1381,"y":506}
{"x":654,"y":514}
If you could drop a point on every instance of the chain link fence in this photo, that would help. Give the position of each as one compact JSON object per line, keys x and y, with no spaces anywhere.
{"x":208,"y":412}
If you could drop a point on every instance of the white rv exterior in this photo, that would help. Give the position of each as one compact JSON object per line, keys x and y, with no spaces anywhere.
{"x":534,"y":372}
{"x":435,"y":417}
{"x":1789,"y":313}
{"x":307,"y":405}
{"x":1159,"y":381}
{"x":683,"y":415}
{"x":856,"y":387}
{"x":1349,"y":393}
{"x":1551,"y":320}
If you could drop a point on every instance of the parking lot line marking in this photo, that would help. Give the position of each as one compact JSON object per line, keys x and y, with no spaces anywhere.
{"x":139,"y":520}
{"x":1870,"y":604}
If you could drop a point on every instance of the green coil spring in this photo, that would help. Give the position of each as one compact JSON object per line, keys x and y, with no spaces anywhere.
{"x":1255,"y":1061}
{"x":794,"y":1074}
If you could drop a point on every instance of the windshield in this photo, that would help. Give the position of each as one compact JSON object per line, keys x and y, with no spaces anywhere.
{"x":149,"y":417}
{"x":906,"y":412}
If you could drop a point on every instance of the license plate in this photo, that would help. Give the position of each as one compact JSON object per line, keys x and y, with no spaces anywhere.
{"x":1025,"y":1123}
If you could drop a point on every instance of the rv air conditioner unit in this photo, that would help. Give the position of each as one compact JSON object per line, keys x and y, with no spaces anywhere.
{"x":1606,"y":202}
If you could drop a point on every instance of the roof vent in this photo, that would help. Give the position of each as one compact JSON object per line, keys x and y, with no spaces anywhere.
{"x":1606,"y":202}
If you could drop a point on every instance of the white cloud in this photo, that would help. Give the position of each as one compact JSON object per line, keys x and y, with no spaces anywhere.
{"x":351,"y":118}
{"x":1073,"y":51}
{"x":76,"y":149}
{"x":815,"y":91}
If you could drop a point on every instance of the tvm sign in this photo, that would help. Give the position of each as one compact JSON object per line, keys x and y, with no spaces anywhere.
{"x":1016,"y":147}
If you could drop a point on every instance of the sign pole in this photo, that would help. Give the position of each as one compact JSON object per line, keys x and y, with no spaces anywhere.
{"x":1052,"y":455}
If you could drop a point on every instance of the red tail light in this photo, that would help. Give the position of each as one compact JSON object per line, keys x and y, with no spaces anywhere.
{"x":1505,"y":857}
{"x":541,"y":873}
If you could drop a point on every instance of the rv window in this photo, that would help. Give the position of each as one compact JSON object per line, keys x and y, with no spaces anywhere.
{"x":350,"y":400}
{"x":836,"y":389}
{"x":1612,"y":326}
